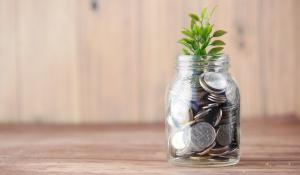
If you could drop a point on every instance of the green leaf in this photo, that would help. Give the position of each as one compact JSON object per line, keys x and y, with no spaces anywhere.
{"x":193,"y":22}
{"x":206,"y":31}
{"x":213,"y":11}
{"x":215,"y":50}
{"x":197,"y":30}
{"x":198,"y":37}
{"x":204,"y":13}
{"x":218,"y":43}
{"x":219,"y":33}
{"x":188,"y":33}
{"x":186,"y":44}
{"x":204,"y":45}
{"x":194,"y":16}
{"x":189,"y":41}
{"x":209,"y":29}
{"x":185,"y":51}
{"x":200,"y":52}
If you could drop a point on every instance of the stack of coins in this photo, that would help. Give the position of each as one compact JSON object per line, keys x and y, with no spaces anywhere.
{"x":206,"y":126}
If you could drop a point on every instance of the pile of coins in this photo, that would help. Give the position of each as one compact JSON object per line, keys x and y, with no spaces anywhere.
{"x":206,"y":125}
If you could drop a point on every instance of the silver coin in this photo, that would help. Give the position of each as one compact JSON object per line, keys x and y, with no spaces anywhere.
{"x":202,"y":114}
{"x":177,"y":140}
{"x":219,"y":150}
{"x":228,"y":120}
{"x":207,"y":150}
{"x":225,"y":153}
{"x":225,"y":134}
{"x":213,"y":99}
{"x":202,"y":136}
{"x":184,"y":142}
{"x":231,"y":92}
{"x":210,"y":105}
{"x":219,"y":154}
{"x":180,"y":111}
{"x":219,"y":96}
{"x":218,"y":119}
{"x":171,"y":122}
{"x":206,"y":87}
{"x":200,"y":158}
{"x":215,"y":80}
{"x":234,"y":151}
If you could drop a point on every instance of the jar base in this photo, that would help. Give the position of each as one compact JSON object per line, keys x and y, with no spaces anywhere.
{"x":203,"y":162}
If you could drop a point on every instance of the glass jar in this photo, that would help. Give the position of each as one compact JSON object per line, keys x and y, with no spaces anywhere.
{"x":203,"y":113}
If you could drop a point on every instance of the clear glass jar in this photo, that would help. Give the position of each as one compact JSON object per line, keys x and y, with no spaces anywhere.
{"x":203,"y":114}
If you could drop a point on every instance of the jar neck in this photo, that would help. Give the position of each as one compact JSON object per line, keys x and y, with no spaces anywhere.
{"x":192,"y":64}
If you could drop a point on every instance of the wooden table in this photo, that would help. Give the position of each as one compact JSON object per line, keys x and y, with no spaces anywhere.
{"x":268,"y":146}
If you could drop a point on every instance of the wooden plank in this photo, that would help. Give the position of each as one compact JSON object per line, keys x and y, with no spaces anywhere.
{"x":9,"y":109}
{"x":278,"y":55}
{"x":122,"y":149}
{"x":61,"y":61}
{"x":243,"y":46}
{"x":160,"y":23}
{"x":109,"y":61}
{"x":297,"y":48}
{"x":47,"y":52}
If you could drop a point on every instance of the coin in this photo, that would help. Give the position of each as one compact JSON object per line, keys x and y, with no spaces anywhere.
{"x":200,"y":158}
{"x":213,"y":82}
{"x":180,"y":111}
{"x":202,"y":114}
{"x":218,"y":119}
{"x":171,"y":122}
{"x":225,"y":134}
{"x":205,"y":87}
{"x":210,"y":105}
{"x":219,"y":154}
{"x":184,"y":138}
{"x":177,"y":140}
{"x":225,"y":153}
{"x":232,"y":93}
{"x":202,"y":136}
{"x":207,"y":150}
{"x":219,"y":96}
{"x":216,"y":100}
{"x":219,"y":150}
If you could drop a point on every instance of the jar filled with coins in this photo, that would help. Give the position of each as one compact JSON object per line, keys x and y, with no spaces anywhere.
{"x":203,"y":113}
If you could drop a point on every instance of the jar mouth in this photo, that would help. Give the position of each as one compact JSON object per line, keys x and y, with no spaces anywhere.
{"x":194,"y":58}
{"x":193,"y":61}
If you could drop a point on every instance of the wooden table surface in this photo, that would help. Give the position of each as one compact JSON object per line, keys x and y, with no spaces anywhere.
{"x":270,"y":146}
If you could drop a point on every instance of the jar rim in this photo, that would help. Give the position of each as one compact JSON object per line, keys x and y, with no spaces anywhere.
{"x":193,"y":62}
{"x":221,"y":59}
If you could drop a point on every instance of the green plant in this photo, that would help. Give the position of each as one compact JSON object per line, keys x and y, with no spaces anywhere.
{"x":200,"y":39}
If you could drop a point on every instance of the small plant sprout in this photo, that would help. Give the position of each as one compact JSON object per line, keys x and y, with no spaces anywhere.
{"x":200,"y":38}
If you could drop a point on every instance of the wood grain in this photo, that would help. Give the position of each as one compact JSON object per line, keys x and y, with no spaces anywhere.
{"x":159,"y":32}
{"x":279,"y":74}
{"x":65,"y":61}
{"x":273,"y":147}
{"x":297,"y":48}
{"x":243,"y":46}
{"x":9,"y":108}
{"x":46,"y":47}
{"x":109,"y":61}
